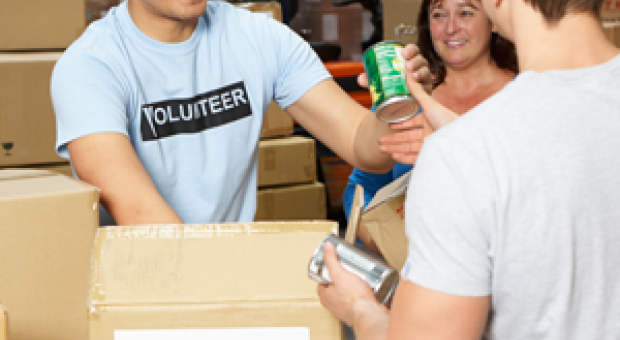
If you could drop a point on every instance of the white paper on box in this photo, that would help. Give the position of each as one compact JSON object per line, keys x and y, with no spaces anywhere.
{"x":330,"y":27}
{"x":283,"y":333}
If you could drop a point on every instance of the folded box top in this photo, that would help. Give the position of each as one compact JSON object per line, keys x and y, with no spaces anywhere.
{"x":224,"y":263}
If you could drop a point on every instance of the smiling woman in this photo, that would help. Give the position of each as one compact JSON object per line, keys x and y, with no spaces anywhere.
{"x":458,"y":33}
{"x":470,"y":62}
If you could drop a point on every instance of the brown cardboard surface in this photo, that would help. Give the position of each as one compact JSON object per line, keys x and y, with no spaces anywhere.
{"x":207,"y":276}
{"x":27,"y":120}
{"x":47,"y":228}
{"x":297,"y":202}
{"x":612,"y":31}
{"x":60,"y":168}
{"x":355,"y":214}
{"x":40,"y":24}
{"x":610,"y":11}
{"x":271,"y":8}
{"x":276,"y":123}
{"x":3,"y":324}
{"x":399,"y":20}
{"x":285,"y":161}
{"x":384,"y":220}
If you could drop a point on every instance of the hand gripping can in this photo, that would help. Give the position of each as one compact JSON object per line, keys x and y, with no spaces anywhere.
{"x":385,"y":67}
{"x":381,"y":277}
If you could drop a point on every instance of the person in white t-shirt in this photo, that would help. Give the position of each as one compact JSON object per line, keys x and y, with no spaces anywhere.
{"x":512,"y":212}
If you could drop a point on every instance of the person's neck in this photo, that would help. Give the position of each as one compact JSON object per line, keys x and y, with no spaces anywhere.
{"x":577,"y":41}
{"x":482,"y":73}
{"x":159,"y":27}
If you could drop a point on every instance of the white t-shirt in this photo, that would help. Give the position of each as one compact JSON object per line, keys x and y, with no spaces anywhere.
{"x":192,"y":110}
{"x":520,"y":199}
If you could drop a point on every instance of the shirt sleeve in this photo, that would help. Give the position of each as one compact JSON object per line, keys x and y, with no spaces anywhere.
{"x":449,"y":219}
{"x":299,"y":67}
{"x":87,"y":99}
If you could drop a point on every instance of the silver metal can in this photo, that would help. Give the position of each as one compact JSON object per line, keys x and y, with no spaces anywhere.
{"x":381,"y":277}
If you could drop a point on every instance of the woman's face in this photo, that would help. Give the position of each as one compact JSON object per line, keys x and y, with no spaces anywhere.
{"x":460,"y":31}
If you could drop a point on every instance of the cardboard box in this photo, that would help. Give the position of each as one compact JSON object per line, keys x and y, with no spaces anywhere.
{"x":97,"y":9}
{"x":270,"y":8}
{"x":40,"y":24}
{"x":276,"y":123}
{"x":285,"y":161}
{"x":399,"y":20}
{"x":297,"y":202}
{"x":384,"y":218}
{"x":47,"y":228}
{"x":60,"y":168}
{"x":344,"y":26}
{"x":196,"y":281}
{"x":610,"y":11}
{"x":27,"y":120}
{"x":612,"y":31}
{"x":3,"y":324}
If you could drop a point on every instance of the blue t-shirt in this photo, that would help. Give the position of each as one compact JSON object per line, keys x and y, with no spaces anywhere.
{"x":192,"y":110}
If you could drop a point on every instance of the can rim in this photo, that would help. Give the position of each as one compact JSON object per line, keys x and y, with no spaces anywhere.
{"x":383,"y":43}
{"x":396,"y":100}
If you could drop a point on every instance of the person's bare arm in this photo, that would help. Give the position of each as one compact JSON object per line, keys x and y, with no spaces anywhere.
{"x":346,"y":127}
{"x":328,"y":113}
{"x":416,"y":312}
{"x":109,"y":162}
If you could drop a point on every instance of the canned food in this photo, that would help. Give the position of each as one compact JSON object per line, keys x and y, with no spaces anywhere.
{"x":381,"y":277}
{"x":385,"y":67}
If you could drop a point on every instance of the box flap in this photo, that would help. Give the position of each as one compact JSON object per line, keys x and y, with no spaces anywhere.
{"x":390,"y":191}
{"x":198,"y":264}
{"x":355,"y":214}
{"x":24,"y":183}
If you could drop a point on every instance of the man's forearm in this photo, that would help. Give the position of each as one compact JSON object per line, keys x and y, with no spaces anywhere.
{"x":371,"y":320}
{"x":367,"y":145}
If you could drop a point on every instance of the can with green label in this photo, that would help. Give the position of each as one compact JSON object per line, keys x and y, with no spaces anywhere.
{"x":385,"y":67}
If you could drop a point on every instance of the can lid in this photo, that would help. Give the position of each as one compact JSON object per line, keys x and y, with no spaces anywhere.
{"x":397,"y":109}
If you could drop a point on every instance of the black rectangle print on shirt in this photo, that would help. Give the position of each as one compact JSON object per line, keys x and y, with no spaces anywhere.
{"x":202,"y":112}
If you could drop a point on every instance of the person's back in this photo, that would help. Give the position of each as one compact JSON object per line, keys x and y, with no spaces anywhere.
{"x":513,"y":225}
{"x":552,"y":228}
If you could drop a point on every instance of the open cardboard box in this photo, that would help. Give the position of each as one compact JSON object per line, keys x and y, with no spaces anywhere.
{"x":384,"y":220}
{"x":237,"y":281}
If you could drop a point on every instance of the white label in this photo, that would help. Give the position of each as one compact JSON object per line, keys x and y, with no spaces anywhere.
{"x":330,"y":27}
{"x":283,"y":333}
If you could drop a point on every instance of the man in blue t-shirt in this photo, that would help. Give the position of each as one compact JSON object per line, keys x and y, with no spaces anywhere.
{"x":160,"y":105}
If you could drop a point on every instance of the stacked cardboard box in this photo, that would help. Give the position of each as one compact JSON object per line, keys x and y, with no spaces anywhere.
{"x":64,"y":278}
{"x":46,"y":235}
{"x":29,"y":50}
{"x":97,"y":9}
{"x":322,"y":22}
{"x":610,"y":11}
{"x":399,"y":20}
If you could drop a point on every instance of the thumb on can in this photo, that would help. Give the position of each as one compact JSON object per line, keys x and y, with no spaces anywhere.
{"x":418,"y":91}
{"x":331,"y":260}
